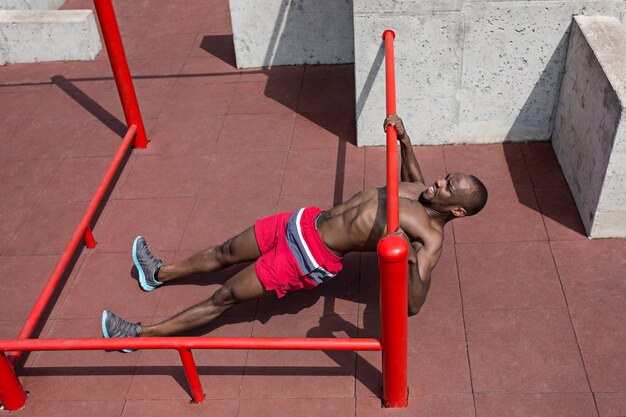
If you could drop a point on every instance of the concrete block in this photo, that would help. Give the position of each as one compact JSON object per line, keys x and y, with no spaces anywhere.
{"x":30,"y":4}
{"x":290,"y":32}
{"x":513,"y":60}
{"x":589,"y":135}
{"x":59,"y":35}
{"x":467,"y":71}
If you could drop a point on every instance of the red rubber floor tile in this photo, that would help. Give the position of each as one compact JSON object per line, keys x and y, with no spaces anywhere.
{"x":295,"y":202}
{"x":560,"y":214}
{"x":509,"y":275}
{"x":158,"y":46}
{"x":160,"y":221}
{"x":305,"y":407}
{"x":218,"y":45}
{"x":334,"y":173}
{"x":323,"y":130}
{"x":509,"y":216}
{"x":501,"y":164}
{"x":95,"y":138}
{"x":180,"y":408}
{"x":255,"y":175}
{"x":542,"y":165}
{"x":76,"y":179}
{"x":256,"y":133}
{"x":106,"y":282}
{"x":175,"y":137}
{"x":327,"y":95}
{"x":592,"y":272}
{"x":450,"y":405}
{"x":611,"y":403}
{"x":193,"y":102}
{"x":531,"y":350}
{"x":208,"y":69}
{"x":164,"y":176}
{"x":291,"y":72}
{"x":339,"y":71}
{"x":12,"y":214}
{"x":47,"y":229}
{"x":212,"y":222}
{"x":601,"y":334}
{"x":60,"y":408}
{"x":19,"y":295}
{"x":539,"y":405}
{"x":292,"y":374}
{"x":37,"y":139}
{"x":271,"y":96}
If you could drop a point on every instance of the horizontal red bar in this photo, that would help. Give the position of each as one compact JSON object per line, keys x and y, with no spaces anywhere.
{"x":263,"y":343}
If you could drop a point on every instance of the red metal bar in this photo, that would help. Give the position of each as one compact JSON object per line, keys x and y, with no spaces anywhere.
{"x":260,"y":343}
{"x":79,"y":232}
{"x":195,"y":386}
{"x":90,"y":241}
{"x":393,"y":263}
{"x":123,"y":80}
{"x":392,"y":136}
{"x":12,"y":395}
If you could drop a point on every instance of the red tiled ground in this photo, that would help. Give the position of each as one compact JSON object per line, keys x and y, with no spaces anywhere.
{"x":525,"y":316}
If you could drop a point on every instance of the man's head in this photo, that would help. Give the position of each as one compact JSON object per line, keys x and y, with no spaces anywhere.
{"x":456,"y":195}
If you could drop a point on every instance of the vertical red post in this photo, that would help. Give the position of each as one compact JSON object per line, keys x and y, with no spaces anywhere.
{"x":191,"y":372}
{"x":12,"y":395}
{"x":393,"y":264}
{"x":117,"y":57}
{"x":392,"y":136}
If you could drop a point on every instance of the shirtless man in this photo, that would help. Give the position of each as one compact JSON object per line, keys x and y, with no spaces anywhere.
{"x":299,"y":250}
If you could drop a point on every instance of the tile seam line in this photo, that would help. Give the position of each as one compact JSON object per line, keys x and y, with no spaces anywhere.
{"x":534,"y":188}
{"x":573,"y":328}
{"x":467,"y":346}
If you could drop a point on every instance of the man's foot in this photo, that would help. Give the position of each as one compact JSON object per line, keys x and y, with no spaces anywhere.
{"x":114,"y":326}
{"x":147,"y":265}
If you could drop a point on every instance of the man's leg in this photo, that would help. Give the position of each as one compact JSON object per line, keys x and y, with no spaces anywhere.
{"x":241,"y":248}
{"x":243,"y":286}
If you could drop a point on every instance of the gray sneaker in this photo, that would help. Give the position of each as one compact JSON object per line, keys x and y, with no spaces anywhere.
{"x":114,"y":326}
{"x":147,"y":265}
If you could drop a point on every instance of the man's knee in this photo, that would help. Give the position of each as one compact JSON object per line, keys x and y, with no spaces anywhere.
{"x":226,"y":252}
{"x":225,"y":296}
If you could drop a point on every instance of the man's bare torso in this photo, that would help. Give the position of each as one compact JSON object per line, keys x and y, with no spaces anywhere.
{"x":358,"y":224}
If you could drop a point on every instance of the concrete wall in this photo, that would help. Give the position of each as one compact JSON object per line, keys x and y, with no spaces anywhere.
{"x":289,"y":32}
{"x":590,"y":128}
{"x":467,"y":71}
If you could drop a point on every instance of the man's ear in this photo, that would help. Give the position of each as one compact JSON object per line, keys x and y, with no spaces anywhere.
{"x":459,"y":211}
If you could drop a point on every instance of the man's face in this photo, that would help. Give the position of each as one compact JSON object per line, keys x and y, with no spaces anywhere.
{"x":447,"y":193}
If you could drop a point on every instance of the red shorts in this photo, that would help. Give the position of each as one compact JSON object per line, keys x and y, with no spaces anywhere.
{"x":293,"y":255}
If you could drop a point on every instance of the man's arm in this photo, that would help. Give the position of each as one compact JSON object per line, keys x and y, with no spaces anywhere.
{"x":419,"y":277}
{"x":410,"y":170}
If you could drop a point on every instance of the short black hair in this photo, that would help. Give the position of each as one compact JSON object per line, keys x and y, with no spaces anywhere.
{"x":476,"y":199}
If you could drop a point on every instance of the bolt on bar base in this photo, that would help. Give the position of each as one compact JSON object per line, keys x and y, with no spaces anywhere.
{"x":12,"y":395}
{"x":119,"y":65}
{"x":393,"y":254}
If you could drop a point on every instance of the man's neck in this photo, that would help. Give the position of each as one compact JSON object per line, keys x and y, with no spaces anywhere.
{"x":440,"y":218}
